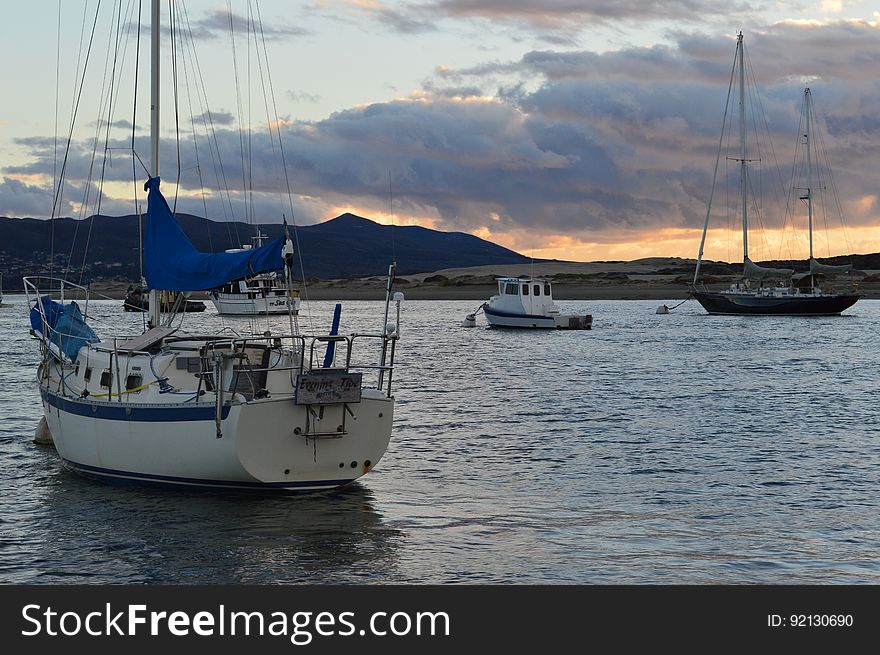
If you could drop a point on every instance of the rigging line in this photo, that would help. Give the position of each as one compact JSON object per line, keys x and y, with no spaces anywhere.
{"x":714,"y":178}
{"x":55,"y":180}
{"x":78,"y":97}
{"x":189,"y":48}
{"x":268,"y":115}
{"x":100,"y":190}
{"x":822,"y":149}
{"x":391,"y":211}
{"x":172,"y":27}
{"x":196,"y":150}
{"x":789,"y":196}
{"x":240,"y":110}
{"x":212,"y":140}
{"x":284,"y":167}
{"x":765,"y":124}
{"x":250,"y":160}
{"x":293,"y":321}
{"x":825,"y":214}
{"x":751,"y":91}
{"x":87,"y":188}
{"x":137,"y":209}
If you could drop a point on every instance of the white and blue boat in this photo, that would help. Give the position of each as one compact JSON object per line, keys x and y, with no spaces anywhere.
{"x":527,"y":302}
{"x":279,"y":412}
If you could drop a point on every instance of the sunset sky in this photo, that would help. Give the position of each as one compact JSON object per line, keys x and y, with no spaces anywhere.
{"x":577,"y":130}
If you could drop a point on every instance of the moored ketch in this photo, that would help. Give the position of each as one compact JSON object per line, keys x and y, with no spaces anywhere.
{"x":792,"y":294}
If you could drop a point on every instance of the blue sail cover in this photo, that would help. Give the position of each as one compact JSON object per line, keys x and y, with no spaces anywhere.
{"x":63,"y":324}
{"x":172,"y":263}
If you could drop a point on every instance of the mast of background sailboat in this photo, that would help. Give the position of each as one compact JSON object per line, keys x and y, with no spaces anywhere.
{"x":715,"y":174}
{"x":809,"y":195}
{"x":743,"y":173}
{"x":155,"y":299}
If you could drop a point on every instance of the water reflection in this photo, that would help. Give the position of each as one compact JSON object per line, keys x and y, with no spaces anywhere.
{"x":90,"y":532}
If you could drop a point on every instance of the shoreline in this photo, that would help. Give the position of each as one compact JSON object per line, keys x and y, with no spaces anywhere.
{"x":657,"y":278}
{"x":474,"y":292}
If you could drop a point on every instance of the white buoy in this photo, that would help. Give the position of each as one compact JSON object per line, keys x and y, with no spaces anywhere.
{"x":469,"y":321}
{"x":662,"y":309}
{"x":42,"y":436}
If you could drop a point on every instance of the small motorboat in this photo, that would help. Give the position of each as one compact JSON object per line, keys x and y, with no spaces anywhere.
{"x":528,"y":303}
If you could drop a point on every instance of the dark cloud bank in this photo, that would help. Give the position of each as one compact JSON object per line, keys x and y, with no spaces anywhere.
{"x":574,"y":142}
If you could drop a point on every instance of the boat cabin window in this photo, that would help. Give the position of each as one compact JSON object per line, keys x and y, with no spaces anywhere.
{"x":525,"y":289}
{"x":189,"y":364}
{"x":537,"y":289}
{"x":106,"y":379}
{"x":88,"y":375}
{"x":133,"y":382}
{"x":546,"y":288}
{"x":512,"y":289}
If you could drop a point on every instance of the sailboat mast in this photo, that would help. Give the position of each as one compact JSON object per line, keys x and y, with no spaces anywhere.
{"x":743,"y":173}
{"x":155,"y":300}
{"x":809,"y":194}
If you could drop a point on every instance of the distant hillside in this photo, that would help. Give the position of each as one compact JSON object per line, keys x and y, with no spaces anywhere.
{"x":344,"y":247}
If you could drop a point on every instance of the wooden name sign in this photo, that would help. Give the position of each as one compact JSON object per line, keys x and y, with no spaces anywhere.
{"x":328,"y":388}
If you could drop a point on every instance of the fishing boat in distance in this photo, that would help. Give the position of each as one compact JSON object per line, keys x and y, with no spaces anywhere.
{"x":527,"y":302}
{"x":274,"y":412}
{"x":255,"y":295}
{"x":764,"y":290}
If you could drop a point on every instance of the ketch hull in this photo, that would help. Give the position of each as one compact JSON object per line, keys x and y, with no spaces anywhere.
{"x":743,"y":305}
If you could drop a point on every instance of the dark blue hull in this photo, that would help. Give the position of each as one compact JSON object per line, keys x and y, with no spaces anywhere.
{"x":743,"y":305}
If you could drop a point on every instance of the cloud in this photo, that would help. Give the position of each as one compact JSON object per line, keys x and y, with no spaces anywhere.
{"x":409,"y":19}
{"x":214,"y":117}
{"x":302,"y":96}
{"x":612,"y":146}
{"x":553,"y":21}
{"x":555,"y":13}
{"x":216,"y":22}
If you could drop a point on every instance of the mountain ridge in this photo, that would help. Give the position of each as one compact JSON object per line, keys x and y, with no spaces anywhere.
{"x":346,"y":246}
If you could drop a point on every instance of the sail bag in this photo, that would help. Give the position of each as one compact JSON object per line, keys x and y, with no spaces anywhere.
{"x":172,"y":263}
{"x":754,"y":272}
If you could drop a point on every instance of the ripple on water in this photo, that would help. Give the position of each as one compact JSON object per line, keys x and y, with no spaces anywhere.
{"x":653,"y":449}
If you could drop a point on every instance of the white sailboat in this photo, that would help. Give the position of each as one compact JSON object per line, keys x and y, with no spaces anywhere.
{"x":270,"y":413}
{"x":763,"y":290}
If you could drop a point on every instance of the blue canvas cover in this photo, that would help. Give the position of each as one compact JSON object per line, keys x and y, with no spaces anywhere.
{"x":64,"y":324}
{"x":172,"y":263}
{"x":50,"y":308}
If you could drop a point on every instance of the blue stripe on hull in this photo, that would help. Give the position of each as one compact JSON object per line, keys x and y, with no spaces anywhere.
{"x":527,"y":317}
{"x":129,"y":412}
{"x":114,"y":476}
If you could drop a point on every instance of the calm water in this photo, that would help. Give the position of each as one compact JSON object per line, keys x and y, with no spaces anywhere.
{"x":654,"y":449}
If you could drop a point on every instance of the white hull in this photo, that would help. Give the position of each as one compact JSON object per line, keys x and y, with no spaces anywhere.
{"x":520,"y":321}
{"x":553,"y":322}
{"x":241,"y":305}
{"x":258,"y":449}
